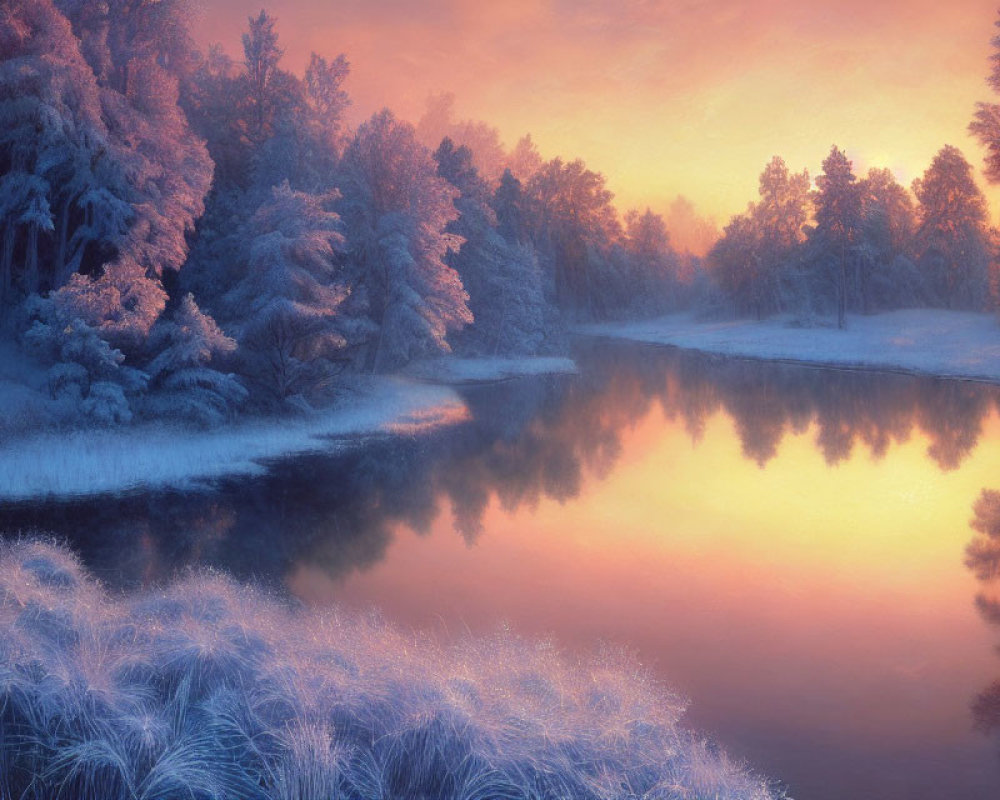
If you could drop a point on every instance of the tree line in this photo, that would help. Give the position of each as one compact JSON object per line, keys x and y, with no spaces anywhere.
{"x":184,"y":234}
{"x":865,"y":243}
{"x":859,"y":245}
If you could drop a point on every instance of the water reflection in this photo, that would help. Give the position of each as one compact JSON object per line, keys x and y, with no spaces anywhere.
{"x":982,"y":556}
{"x":705,"y":511}
{"x":527,"y":440}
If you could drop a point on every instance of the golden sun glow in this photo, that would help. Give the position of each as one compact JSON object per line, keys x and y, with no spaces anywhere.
{"x":782,"y":564}
{"x":665,"y":98}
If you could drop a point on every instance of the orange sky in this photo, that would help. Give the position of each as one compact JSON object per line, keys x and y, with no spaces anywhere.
{"x":664,"y":96}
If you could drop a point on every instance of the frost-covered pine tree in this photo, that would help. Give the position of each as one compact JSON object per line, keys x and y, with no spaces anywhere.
{"x":263,"y":126}
{"x":888,"y":276}
{"x":952,"y":237}
{"x":184,"y":383}
{"x":137,"y":50}
{"x":510,"y":204}
{"x":284,"y":310}
{"x":985,"y":125}
{"x":87,"y":377}
{"x":573,"y":225}
{"x":838,"y":220}
{"x":502,"y":277}
{"x":653,"y":283}
{"x":397,"y":209}
{"x":63,"y":195}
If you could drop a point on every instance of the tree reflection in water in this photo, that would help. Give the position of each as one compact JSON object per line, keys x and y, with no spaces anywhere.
{"x":527,"y":440}
{"x":982,"y":556}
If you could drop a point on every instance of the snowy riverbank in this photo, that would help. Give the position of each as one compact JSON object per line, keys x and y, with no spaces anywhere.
{"x":949,"y":344}
{"x":150,"y":455}
{"x":89,"y":462}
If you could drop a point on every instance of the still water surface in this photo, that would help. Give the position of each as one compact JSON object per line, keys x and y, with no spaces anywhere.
{"x":783,"y":545}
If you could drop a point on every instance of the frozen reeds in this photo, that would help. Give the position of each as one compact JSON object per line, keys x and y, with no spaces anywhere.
{"x":208,"y":689}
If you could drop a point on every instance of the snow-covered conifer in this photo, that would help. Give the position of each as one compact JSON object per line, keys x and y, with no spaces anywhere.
{"x":184,"y":383}
{"x":285,"y":308}
{"x":397,"y":209}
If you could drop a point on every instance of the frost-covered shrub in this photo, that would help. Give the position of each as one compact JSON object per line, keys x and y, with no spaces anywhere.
{"x":106,"y":404}
{"x":183,"y":383}
{"x":208,"y":689}
{"x":87,"y":379}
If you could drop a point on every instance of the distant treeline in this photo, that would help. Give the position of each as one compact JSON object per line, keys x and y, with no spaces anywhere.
{"x":859,"y":245}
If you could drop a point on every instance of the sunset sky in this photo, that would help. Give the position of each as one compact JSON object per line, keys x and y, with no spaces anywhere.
{"x":663,"y":96}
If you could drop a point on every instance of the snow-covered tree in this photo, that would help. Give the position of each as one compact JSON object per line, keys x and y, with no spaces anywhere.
{"x":184,"y":384}
{"x":502,"y":277}
{"x":326,"y":97}
{"x":510,"y":205}
{"x":838,"y":220}
{"x":261,"y":56}
{"x":137,"y":50}
{"x":952,"y":235}
{"x":756,"y":261}
{"x":573,"y":226}
{"x":985,"y":124}
{"x":284,"y":310}
{"x":63,"y":193}
{"x":653,"y":281}
{"x":263,"y":126}
{"x":734,"y":263}
{"x":887,"y":276}
{"x":779,"y":217}
{"x":87,"y":377}
{"x":122,"y":303}
{"x":524,"y":160}
{"x":397,"y":209}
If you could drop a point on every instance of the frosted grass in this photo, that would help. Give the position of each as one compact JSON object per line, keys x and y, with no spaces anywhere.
{"x":950,"y":344}
{"x":98,"y":461}
{"x":207,"y":689}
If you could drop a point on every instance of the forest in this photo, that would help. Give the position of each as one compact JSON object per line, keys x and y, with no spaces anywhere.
{"x":188,"y":236}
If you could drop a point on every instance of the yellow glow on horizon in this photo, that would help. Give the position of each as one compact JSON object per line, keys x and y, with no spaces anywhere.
{"x":805,"y":575}
{"x":664,"y":98}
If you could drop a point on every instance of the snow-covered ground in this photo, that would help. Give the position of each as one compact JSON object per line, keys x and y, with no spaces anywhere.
{"x":90,"y":462}
{"x":925,"y":341}
{"x":452,"y":370}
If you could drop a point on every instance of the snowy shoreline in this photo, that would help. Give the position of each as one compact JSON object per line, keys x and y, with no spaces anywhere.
{"x":152,"y":455}
{"x":80,"y":463}
{"x":945,"y":344}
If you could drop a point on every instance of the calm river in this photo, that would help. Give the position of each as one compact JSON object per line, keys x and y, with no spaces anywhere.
{"x":785,"y":546}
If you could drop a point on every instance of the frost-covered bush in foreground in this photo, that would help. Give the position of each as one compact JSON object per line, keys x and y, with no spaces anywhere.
{"x":211,"y":690}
